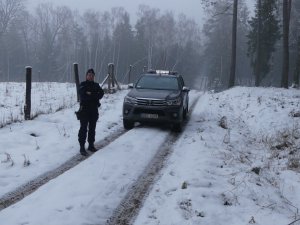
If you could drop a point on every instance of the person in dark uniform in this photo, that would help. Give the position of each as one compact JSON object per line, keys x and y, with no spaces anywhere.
{"x":90,"y":94}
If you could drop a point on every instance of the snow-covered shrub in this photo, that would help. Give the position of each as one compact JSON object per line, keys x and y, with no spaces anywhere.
{"x":8,"y":159}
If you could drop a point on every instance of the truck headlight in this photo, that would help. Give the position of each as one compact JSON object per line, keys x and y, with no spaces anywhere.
{"x":176,"y":101}
{"x":129,"y":100}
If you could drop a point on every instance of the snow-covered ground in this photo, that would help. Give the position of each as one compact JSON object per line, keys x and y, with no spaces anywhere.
{"x":45,"y":98}
{"x":246,"y":172}
{"x":50,"y":139}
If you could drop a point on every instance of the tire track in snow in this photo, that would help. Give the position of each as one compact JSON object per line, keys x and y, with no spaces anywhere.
{"x":19,"y":193}
{"x":130,"y":206}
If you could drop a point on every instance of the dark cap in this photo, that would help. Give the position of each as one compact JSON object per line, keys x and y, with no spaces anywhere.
{"x":90,"y":71}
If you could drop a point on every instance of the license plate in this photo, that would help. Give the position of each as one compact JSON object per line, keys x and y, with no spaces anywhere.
{"x":149,"y":115}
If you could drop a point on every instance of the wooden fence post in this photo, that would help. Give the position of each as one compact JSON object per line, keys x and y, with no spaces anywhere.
{"x":129,"y":73}
{"x":76,"y":75}
{"x":111,"y":72}
{"x":111,"y":79}
{"x":27,"y":106}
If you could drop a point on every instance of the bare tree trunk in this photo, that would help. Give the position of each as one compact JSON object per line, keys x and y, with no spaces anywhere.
{"x":258,"y":51}
{"x":289,"y":10}
{"x":285,"y":64}
{"x":149,"y":55}
{"x":118,"y":58}
{"x":8,"y":67}
{"x":297,"y":69}
{"x":8,"y":12}
{"x":233,"y":44}
{"x":96,"y":52}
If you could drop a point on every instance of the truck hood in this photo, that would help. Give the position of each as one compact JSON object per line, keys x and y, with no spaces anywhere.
{"x":154,"y":94}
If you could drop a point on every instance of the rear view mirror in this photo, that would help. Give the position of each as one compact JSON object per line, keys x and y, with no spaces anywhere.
{"x":130,"y":85}
{"x":186,"y":89}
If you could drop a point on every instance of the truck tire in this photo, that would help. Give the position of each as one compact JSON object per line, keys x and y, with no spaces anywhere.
{"x":128,"y":124}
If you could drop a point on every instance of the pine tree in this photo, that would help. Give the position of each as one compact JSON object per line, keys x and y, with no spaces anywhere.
{"x":263,"y":35}
{"x":295,"y":42}
{"x":233,"y":45}
{"x":224,"y":40}
{"x":286,"y":11}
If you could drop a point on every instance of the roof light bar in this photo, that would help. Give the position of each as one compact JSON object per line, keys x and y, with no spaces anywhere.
{"x":162,"y":72}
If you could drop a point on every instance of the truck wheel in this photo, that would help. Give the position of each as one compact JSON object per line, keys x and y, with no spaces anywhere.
{"x":185,"y":111}
{"x":177,"y":127}
{"x":128,"y":124}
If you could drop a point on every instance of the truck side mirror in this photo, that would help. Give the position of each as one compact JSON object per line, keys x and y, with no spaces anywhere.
{"x":130,"y":85}
{"x":186,"y":89}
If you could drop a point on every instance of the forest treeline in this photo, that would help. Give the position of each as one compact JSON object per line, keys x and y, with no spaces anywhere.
{"x":51,"y":38}
{"x":267,"y":43}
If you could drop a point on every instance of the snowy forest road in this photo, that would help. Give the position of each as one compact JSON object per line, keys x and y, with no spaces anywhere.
{"x":154,"y":162}
{"x":127,"y":211}
{"x":26,"y":189}
{"x":210,"y":175}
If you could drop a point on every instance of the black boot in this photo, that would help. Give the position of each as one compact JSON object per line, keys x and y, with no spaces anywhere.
{"x":82,"y":151}
{"x":92,"y":148}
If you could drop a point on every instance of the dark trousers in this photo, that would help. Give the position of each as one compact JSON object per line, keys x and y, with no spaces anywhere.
{"x":87,"y":125}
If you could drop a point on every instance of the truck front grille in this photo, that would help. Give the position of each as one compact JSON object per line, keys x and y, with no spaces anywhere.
{"x":151,"y":102}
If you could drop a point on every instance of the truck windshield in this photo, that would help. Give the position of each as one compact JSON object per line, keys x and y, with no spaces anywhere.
{"x":158,"y":82}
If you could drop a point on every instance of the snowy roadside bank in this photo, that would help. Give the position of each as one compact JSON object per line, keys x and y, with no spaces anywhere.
{"x":237,"y":175}
{"x":48,"y":141}
{"x":236,"y":163}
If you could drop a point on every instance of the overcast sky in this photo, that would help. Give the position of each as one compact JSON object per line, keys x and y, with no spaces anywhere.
{"x":191,"y":8}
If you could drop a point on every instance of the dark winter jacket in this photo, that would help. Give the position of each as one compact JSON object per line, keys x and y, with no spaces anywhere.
{"x":90,"y":94}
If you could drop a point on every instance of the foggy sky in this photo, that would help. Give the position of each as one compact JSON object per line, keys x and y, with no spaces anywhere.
{"x":191,"y":8}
